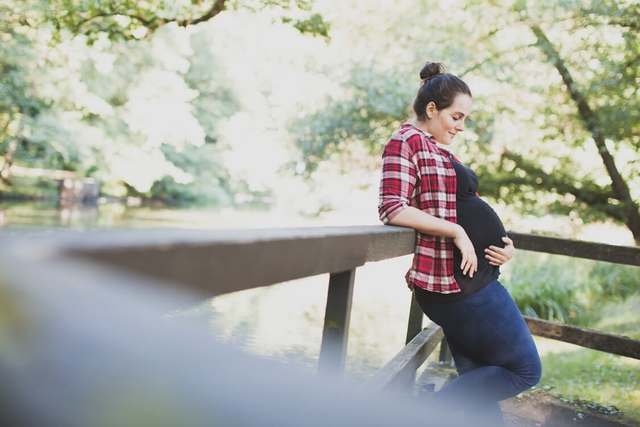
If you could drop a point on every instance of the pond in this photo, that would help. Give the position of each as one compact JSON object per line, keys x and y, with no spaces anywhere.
{"x":283,"y":321}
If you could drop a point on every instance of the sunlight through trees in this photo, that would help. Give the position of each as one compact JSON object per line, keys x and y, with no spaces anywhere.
{"x":211,"y":100}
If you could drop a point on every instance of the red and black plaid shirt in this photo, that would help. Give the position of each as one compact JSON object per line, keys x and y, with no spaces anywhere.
{"x":417,"y":172}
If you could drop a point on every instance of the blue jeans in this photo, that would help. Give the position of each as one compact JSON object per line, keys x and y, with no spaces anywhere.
{"x":493,"y":350}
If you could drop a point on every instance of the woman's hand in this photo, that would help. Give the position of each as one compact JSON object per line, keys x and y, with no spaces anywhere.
{"x":469,"y":259}
{"x":498,"y":256}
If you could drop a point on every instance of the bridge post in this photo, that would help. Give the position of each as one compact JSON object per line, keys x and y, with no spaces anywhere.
{"x":416,"y":315}
{"x":333,"y":351}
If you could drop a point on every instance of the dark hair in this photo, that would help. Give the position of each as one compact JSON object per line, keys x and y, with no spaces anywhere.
{"x":438,"y":87}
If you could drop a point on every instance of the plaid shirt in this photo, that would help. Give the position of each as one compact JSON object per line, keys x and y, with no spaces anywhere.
{"x":416,"y":172}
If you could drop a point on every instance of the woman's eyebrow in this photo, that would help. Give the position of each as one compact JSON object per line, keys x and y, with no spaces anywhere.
{"x":458,"y":112}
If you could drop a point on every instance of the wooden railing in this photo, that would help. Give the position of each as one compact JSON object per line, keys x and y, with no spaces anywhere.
{"x":70,"y":300}
{"x":421,"y":342}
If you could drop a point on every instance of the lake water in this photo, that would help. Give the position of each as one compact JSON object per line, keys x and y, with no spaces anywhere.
{"x":283,"y":321}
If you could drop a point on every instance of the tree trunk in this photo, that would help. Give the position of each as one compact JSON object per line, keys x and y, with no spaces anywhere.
{"x":5,"y":173}
{"x":590,"y":119}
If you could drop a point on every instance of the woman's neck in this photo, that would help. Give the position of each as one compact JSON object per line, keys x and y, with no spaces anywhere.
{"x":419,"y":124}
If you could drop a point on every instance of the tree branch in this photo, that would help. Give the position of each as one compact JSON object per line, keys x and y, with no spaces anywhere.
{"x":153,"y":24}
{"x":592,"y":124}
{"x":589,"y":193}
{"x":217,"y":7}
{"x":87,"y":19}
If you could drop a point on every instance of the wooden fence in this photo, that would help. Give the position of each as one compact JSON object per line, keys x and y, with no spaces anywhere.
{"x":421,"y":342}
{"x":81,"y":321}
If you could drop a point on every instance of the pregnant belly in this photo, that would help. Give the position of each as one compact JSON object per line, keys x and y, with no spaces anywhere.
{"x":480,"y":221}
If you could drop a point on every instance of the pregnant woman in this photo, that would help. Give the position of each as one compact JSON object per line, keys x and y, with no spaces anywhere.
{"x":460,"y":246}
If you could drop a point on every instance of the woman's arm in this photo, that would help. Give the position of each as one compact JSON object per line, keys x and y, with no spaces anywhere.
{"x":428,"y":224}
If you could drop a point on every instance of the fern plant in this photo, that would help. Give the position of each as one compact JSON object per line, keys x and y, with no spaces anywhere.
{"x":547,"y":286}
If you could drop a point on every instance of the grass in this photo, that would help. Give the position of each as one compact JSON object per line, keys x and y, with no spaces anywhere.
{"x":590,"y":376}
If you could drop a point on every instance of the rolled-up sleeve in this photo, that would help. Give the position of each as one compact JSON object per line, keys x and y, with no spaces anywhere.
{"x":397,"y":181}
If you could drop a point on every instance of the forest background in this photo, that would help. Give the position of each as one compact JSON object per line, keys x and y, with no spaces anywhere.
{"x":223,"y":101}
{"x":288,"y":104}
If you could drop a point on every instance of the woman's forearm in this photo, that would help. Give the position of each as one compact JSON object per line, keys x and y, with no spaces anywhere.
{"x":427,"y":224}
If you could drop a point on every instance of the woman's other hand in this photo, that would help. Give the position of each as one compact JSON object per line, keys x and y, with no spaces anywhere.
{"x":498,"y":256}
{"x":469,"y":259}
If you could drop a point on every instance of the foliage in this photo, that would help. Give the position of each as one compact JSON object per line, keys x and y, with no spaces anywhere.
{"x":128,"y":19}
{"x":369,"y":107}
{"x":544,"y":138}
{"x":86,"y":89}
{"x":605,"y":297}
{"x":568,"y":290}
{"x":616,"y":281}
{"x":20,"y":103}
{"x":547,"y":287}
{"x":555,"y":124}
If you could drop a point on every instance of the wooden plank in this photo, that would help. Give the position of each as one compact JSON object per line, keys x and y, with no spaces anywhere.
{"x":389,"y":242}
{"x":400,"y":370}
{"x":578,"y":249}
{"x":333,"y":351}
{"x":215,"y":262}
{"x":416,"y":317}
{"x":89,"y":345}
{"x":445,"y":353}
{"x":614,"y":344}
{"x":222,"y":261}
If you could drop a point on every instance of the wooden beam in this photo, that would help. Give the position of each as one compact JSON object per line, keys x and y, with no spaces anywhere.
{"x":416,"y":317}
{"x":615,"y":344}
{"x":577,"y":249}
{"x":333,"y":351}
{"x":212,"y":262}
{"x":215,"y":262}
{"x":400,"y":370}
{"x":390,"y":242}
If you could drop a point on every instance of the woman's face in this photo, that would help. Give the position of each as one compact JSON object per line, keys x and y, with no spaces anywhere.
{"x":446,"y":123}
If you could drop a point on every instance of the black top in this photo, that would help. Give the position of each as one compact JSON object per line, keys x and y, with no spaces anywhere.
{"x":484,"y":228}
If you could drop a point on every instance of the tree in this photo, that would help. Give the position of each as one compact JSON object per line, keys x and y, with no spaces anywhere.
{"x":594,"y":49}
{"x":140,"y":113}
{"x":555,"y":121}
{"x":18,"y":98}
{"x":131,"y":19}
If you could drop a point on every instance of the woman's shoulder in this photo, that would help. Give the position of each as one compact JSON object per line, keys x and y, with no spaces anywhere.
{"x":408,"y":130}
{"x":416,"y":139}
{"x":407,"y":133}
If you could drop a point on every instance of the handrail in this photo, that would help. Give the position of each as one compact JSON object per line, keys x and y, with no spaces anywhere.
{"x":215,"y":262}
{"x":610,"y":343}
{"x":108,"y":288}
{"x":85,"y":343}
{"x":400,"y":370}
{"x":210,"y":263}
{"x":629,"y":255}
{"x":418,"y":347}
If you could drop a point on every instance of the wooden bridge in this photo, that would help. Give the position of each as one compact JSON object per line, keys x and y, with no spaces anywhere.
{"x":85,"y":339}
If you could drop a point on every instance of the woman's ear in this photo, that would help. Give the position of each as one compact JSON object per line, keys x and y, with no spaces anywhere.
{"x":431,"y":109}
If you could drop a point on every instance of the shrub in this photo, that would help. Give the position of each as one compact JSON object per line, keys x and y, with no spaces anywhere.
{"x":547,"y":286}
{"x":615,"y":281}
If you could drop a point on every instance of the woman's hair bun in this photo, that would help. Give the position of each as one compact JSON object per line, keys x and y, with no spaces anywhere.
{"x":431,"y":69}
